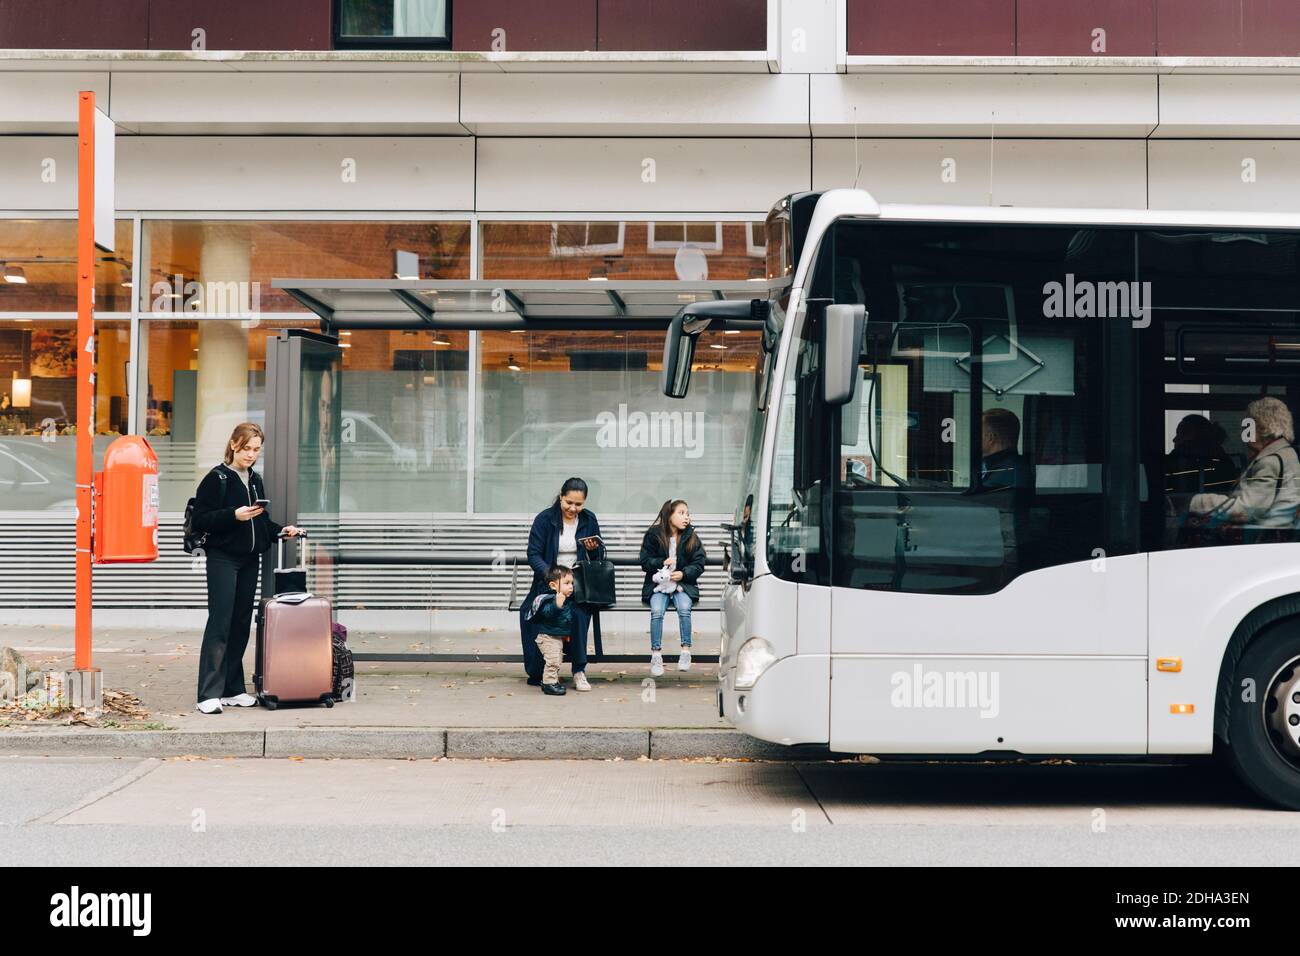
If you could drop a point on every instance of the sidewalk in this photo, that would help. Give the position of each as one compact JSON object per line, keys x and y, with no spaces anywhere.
{"x":402,"y":710}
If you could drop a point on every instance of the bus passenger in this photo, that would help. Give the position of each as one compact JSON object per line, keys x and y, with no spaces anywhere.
{"x":1263,"y":502}
{"x":1198,"y":461}
{"x":1003,"y":466}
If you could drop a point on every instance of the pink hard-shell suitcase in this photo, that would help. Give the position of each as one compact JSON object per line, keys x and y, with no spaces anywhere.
{"x":295,"y":654}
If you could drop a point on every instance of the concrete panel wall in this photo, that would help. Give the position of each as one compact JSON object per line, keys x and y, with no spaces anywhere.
{"x":651,"y":175}
{"x":1016,"y":105}
{"x":286,"y":102}
{"x":1229,"y":106}
{"x":1243,"y":175}
{"x":633,"y":104}
{"x":237,"y":173}
{"x":1067,"y":173}
{"x":38,"y":172}
{"x":46,"y":102}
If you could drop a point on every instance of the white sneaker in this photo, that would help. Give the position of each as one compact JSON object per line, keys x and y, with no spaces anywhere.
{"x":210,"y":706}
{"x":242,"y":700}
{"x":580,"y":681}
{"x":684,"y":660}
{"x":656,"y":664}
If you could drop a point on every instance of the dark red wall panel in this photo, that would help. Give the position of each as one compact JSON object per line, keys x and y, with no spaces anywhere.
{"x":74,"y":24}
{"x":932,"y":27}
{"x":241,"y":24}
{"x":1228,"y":27}
{"x":528,"y":24}
{"x":1065,"y":27}
{"x":682,"y":24}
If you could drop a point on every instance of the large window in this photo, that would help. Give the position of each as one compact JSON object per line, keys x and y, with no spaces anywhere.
{"x":1224,"y":361}
{"x":38,"y":394}
{"x":210,"y":308}
{"x":588,"y":403}
{"x":603,"y":249}
{"x":38,"y":267}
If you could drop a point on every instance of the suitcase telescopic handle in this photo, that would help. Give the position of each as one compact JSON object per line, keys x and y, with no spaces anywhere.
{"x":279,"y":548}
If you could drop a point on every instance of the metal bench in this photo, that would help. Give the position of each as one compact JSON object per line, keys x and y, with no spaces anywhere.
{"x":350,"y":556}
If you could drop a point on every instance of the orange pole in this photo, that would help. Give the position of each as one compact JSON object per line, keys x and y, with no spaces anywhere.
{"x":85,"y":367}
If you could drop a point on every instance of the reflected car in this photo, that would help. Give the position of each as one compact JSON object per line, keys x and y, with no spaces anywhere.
{"x":36,"y":475}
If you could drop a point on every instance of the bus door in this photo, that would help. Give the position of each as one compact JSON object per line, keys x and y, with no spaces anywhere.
{"x":988,"y":594}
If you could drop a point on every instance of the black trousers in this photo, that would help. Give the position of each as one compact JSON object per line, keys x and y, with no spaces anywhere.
{"x":232,"y":589}
{"x":575,"y":651}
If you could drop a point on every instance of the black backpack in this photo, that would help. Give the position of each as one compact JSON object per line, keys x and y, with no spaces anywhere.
{"x":191,"y":540}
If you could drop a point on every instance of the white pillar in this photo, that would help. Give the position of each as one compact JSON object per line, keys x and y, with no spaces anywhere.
{"x":222,"y":390}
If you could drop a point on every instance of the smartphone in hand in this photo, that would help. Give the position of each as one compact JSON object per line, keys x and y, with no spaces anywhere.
{"x":263,"y":503}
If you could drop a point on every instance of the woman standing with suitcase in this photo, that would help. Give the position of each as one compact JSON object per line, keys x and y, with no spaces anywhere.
{"x":555,"y":538}
{"x":237,"y":530}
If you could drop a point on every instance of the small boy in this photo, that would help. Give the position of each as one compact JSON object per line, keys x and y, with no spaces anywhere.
{"x":553,"y":614}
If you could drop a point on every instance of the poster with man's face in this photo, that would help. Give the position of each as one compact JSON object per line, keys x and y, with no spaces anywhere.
{"x":320,"y":433}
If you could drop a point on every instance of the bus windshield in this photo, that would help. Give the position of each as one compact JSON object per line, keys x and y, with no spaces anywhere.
{"x":1036,"y":395}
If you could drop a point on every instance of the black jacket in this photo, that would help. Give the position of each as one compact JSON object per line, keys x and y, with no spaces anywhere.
{"x":544,"y":543}
{"x":222,"y":491}
{"x":551,"y":619}
{"x":654,"y":554}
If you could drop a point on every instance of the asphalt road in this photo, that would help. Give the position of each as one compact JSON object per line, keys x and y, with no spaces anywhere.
{"x":106,"y":811}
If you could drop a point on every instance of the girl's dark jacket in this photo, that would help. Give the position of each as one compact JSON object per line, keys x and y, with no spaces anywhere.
{"x":654,"y":554}
{"x":222,"y":491}
{"x":544,"y":544}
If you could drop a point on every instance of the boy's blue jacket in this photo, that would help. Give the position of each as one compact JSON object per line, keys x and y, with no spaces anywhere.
{"x":548,"y":617}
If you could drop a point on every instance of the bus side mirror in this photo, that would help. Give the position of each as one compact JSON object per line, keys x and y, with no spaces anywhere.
{"x":841,"y":340}
{"x":685,"y":329}
{"x":679,"y":353}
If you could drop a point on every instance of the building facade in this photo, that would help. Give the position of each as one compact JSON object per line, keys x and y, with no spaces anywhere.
{"x":576,"y":139}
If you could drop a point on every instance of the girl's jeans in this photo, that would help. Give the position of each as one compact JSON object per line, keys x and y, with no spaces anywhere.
{"x":658,"y":607}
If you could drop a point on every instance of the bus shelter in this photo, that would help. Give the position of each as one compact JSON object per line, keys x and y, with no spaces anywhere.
{"x":304,"y":390}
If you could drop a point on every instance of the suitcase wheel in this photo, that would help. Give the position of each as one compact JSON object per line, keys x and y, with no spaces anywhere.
{"x":270,"y":703}
{"x":328,"y":701}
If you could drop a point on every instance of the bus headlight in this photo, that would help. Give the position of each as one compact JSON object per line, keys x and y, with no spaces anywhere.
{"x":754,"y":657}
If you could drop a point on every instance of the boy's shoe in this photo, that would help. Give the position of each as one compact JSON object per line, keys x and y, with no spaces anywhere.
{"x":656,"y":664}
{"x":580,"y":681}
{"x":684,"y":659}
{"x":210,"y":706}
{"x":553,"y":690}
{"x":239,"y":700}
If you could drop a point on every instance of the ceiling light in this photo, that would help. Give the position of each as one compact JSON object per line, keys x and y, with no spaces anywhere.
{"x":513,"y":365}
{"x":15,"y":274}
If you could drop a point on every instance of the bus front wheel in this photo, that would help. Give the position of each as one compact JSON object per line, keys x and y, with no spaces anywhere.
{"x":1264,"y":722}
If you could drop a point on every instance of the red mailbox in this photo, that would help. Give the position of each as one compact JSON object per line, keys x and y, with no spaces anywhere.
{"x":125,"y":512}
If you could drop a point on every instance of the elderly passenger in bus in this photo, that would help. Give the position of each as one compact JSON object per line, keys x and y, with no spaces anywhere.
{"x":1263,"y":502}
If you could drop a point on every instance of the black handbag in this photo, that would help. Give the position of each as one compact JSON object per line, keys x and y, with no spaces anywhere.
{"x":593,"y":582}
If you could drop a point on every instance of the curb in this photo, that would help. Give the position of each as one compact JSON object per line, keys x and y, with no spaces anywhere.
{"x":548,"y":744}
{"x":92,"y":742}
{"x":354,"y":742}
{"x":478,"y":743}
{"x":685,"y":744}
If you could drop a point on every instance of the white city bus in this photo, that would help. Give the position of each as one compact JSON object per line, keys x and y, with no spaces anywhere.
{"x":993,"y":502}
